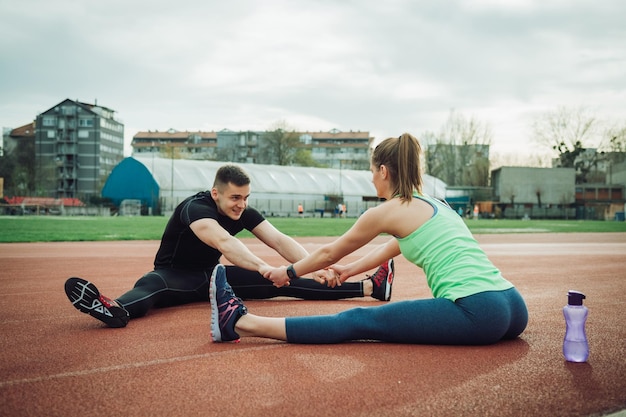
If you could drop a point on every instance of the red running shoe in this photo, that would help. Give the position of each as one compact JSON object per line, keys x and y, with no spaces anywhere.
{"x":383,"y":280}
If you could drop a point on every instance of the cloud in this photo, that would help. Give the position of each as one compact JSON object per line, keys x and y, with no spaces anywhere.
{"x":386,"y":67}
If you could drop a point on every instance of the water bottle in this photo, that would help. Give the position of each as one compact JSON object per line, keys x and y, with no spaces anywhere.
{"x":575,"y":346}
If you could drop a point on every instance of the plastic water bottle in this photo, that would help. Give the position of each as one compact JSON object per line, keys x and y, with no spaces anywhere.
{"x":575,"y":345}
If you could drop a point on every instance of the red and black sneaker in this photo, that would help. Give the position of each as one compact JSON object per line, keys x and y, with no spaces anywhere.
{"x":383,"y":280}
{"x":226,"y":307}
{"x":86,"y":298}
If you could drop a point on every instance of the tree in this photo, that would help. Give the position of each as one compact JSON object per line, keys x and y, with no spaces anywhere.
{"x":7,"y":166}
{"x":614,"y":143}
{"x":459,"y":153}
{"x":171,"y":151}
{"x":279,"y":146}
{"x":569,"y":132}
{"x":304,"y":158}
{"x":17,"y":167}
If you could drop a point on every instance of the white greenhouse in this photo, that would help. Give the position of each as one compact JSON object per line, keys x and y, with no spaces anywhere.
{"x":161,"y":183}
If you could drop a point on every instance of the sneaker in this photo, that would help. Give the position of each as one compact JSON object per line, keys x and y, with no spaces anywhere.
{"x":383,"y":280}
{"x":226,"y":307}
{"x":86,"y":297}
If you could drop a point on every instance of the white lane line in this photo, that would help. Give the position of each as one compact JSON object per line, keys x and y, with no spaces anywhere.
{"x":132,"y":365}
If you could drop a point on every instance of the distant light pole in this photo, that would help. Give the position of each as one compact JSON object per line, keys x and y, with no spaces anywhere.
{"x":172,"y":178}
{"x":340,"y":178}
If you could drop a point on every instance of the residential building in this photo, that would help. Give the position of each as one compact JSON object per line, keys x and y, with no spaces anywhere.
{"x":603,"y":195}
{"x":191,"y":145}
{"x":339,"y":150}
{"x":599,"y":201}
{"x":13,"y":138}
{"x":333,"y":149}
{"x":240,"y":147}
{"x":600,"y":184}
{"x":76,"y":147}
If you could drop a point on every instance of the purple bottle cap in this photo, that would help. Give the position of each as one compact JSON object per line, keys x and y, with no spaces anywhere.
{"x":575,"y":298}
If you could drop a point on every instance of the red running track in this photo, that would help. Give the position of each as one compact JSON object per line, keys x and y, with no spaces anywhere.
{"x":58,"y":362}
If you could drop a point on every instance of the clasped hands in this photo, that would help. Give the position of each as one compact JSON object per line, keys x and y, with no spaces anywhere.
{"x":329,"y":276}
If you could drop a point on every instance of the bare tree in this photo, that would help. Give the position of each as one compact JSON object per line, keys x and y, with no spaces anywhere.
{"x":279,"y":145}
{"x":459,"y":153}
{"x":570,"y":132}
{"x":565,"y":127}
{"x":537,"y":159}
{"x":614,"y":143}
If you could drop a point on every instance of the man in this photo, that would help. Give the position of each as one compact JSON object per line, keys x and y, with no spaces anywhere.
{"x":201,"y":230}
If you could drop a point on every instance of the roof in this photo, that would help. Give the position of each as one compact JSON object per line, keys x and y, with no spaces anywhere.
{"x":191,"y":176}
{"x":173,"y":134}
{"x":26,"y":131}
{"x":336,"y":134}
{"x":93,"y":108}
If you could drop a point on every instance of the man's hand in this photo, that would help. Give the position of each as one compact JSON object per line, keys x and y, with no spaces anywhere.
{"x":278,"y":276}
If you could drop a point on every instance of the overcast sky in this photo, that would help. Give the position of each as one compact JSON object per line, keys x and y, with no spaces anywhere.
{"x":383,"y":66}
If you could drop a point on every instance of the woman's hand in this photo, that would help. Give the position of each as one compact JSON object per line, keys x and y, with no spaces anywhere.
{"x":327,"y":276}
{"x":342,"y":272}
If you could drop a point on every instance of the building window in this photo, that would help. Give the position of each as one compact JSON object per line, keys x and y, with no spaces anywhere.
{"x":48,"y":121}
{"x":68,"y":110}
{"x":85,"y":122}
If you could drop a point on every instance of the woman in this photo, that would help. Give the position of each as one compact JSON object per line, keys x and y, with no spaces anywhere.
{"x":472,"y":305}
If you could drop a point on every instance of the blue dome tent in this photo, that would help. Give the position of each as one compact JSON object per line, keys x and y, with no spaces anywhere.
{"x":130,"y":179}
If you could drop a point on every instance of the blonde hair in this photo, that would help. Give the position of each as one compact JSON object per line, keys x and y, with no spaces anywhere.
{"x":401,"y":156}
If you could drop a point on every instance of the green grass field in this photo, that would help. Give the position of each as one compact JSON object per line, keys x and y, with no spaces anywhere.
{"x":58,"y":229}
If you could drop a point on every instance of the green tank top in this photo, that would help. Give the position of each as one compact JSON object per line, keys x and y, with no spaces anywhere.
{"x":454,"y":264}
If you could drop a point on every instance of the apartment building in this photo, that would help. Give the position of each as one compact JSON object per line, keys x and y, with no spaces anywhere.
{"x":77,"y":145}
{"x":340,"y":150}
{"x":333,"y":149}
{"x":191,"y":145}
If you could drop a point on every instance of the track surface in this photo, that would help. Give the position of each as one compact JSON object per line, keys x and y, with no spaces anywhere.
{"x":58,"y":362}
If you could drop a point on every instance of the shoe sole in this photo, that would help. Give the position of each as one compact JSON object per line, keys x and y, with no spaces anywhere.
{"x":85,"y":297}
{"x":389,"y":281}
{"x":216,"y":334}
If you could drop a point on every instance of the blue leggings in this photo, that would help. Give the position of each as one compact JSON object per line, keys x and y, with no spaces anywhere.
{"x":478,"y":319}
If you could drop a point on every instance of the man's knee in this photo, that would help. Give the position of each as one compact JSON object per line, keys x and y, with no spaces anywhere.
{"x":152,"y":280}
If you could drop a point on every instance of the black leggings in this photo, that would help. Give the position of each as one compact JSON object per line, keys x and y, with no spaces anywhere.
{"x":171,"y":287}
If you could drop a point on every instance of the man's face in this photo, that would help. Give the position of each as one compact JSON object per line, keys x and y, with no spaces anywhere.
{"x":231,"y":200}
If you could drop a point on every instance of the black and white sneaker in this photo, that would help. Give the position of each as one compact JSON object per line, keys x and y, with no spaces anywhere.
{"x":86,"y":298}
